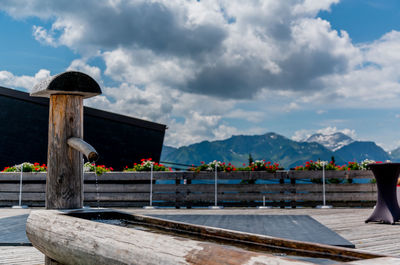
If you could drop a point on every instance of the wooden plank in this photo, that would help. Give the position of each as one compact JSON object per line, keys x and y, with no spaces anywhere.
{"x":6,"y":187}
{"x":317,"y":174}
{"x":20,"y":255}
{"x":124,"y":188}
{"x":133,"y":176}
{"x":26,"y":176}
{"x":27,"y":196}
{"x":284,"y":196}
{"x":243,"y":188}
{"x":110,"y":187}
{"x":128,"y":196}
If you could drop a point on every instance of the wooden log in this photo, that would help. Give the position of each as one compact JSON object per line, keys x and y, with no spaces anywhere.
{"x":64,"y":184}
{"x":83,"y":147}
{"x":71,"y":240}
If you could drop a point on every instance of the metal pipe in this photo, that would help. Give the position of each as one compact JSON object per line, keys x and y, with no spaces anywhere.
{"x":20,"y":186}
{"x":323,"y":185}
{"x":216,"y":180}
{"x":151,"y":185}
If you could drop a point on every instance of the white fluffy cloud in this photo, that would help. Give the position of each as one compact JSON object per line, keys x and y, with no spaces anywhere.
{"x":192,"y":64}
{"x":221,"y":48}
{"x":82,"y":66}
{"x":8,"y":79}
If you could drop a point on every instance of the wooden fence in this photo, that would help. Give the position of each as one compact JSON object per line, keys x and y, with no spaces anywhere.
{"x":192,"y":189}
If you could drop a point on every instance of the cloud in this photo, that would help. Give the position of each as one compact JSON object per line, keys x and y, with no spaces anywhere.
{"x":43,"y":36}
{"x":8,"y":79}
{"x":198,"y":127}
{"x":303,"y":134}
{"x":221,"y":48}
{"x":195,"y":64}
{"x":82,"y":66}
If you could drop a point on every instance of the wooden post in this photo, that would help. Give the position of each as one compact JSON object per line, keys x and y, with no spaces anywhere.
{"x":64,"y":183}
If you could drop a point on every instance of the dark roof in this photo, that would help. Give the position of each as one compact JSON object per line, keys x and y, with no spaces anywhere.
{"x":7,"y":92}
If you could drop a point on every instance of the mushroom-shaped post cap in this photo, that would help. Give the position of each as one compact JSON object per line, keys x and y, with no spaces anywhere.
{"x":67,"y":83}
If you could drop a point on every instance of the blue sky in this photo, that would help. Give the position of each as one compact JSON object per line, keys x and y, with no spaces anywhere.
{"x":212,"y":69}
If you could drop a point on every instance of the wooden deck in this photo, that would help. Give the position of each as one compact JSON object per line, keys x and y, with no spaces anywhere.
{"x":349,"y":223}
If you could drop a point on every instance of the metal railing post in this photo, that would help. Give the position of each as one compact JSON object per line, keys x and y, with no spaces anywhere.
{"x":323,"y":206}
{"x":151,"y":189}
{"x":216,"y":189}
{"x":20,"y":206}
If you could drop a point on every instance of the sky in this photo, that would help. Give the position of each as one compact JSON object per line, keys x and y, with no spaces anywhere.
{"x":210,"y":69}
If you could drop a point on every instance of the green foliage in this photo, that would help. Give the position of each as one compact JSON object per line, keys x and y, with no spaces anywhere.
{"x":373,"y":181}
{"x":258,"y":165}
{"x":146,"y":165}
{"x":251,"y":160}
{"x":99,"y":169}
{"x":261,"y":165}
{"x":212,"y":165}
{"x":26,"y":167}
{"x":317,"y":165}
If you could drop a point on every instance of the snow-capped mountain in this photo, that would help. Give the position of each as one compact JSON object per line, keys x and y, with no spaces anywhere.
{"x":333,"y":141}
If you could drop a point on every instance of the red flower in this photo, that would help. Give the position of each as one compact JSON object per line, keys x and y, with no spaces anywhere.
{"x":36,"y":164}
{"x":201,"y":162}
{"x":111,"y":169}
{"x":150,"y":159}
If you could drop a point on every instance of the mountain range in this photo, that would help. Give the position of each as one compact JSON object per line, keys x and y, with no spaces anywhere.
{"x":277,"y":148}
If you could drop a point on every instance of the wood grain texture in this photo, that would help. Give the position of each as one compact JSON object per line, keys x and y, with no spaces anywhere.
{"x":86,"y":149}
{"x":64,"y":184}
{"x":71,"y":240}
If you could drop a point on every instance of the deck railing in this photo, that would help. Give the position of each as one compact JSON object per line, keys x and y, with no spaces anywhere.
{"x":196,"y":189}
